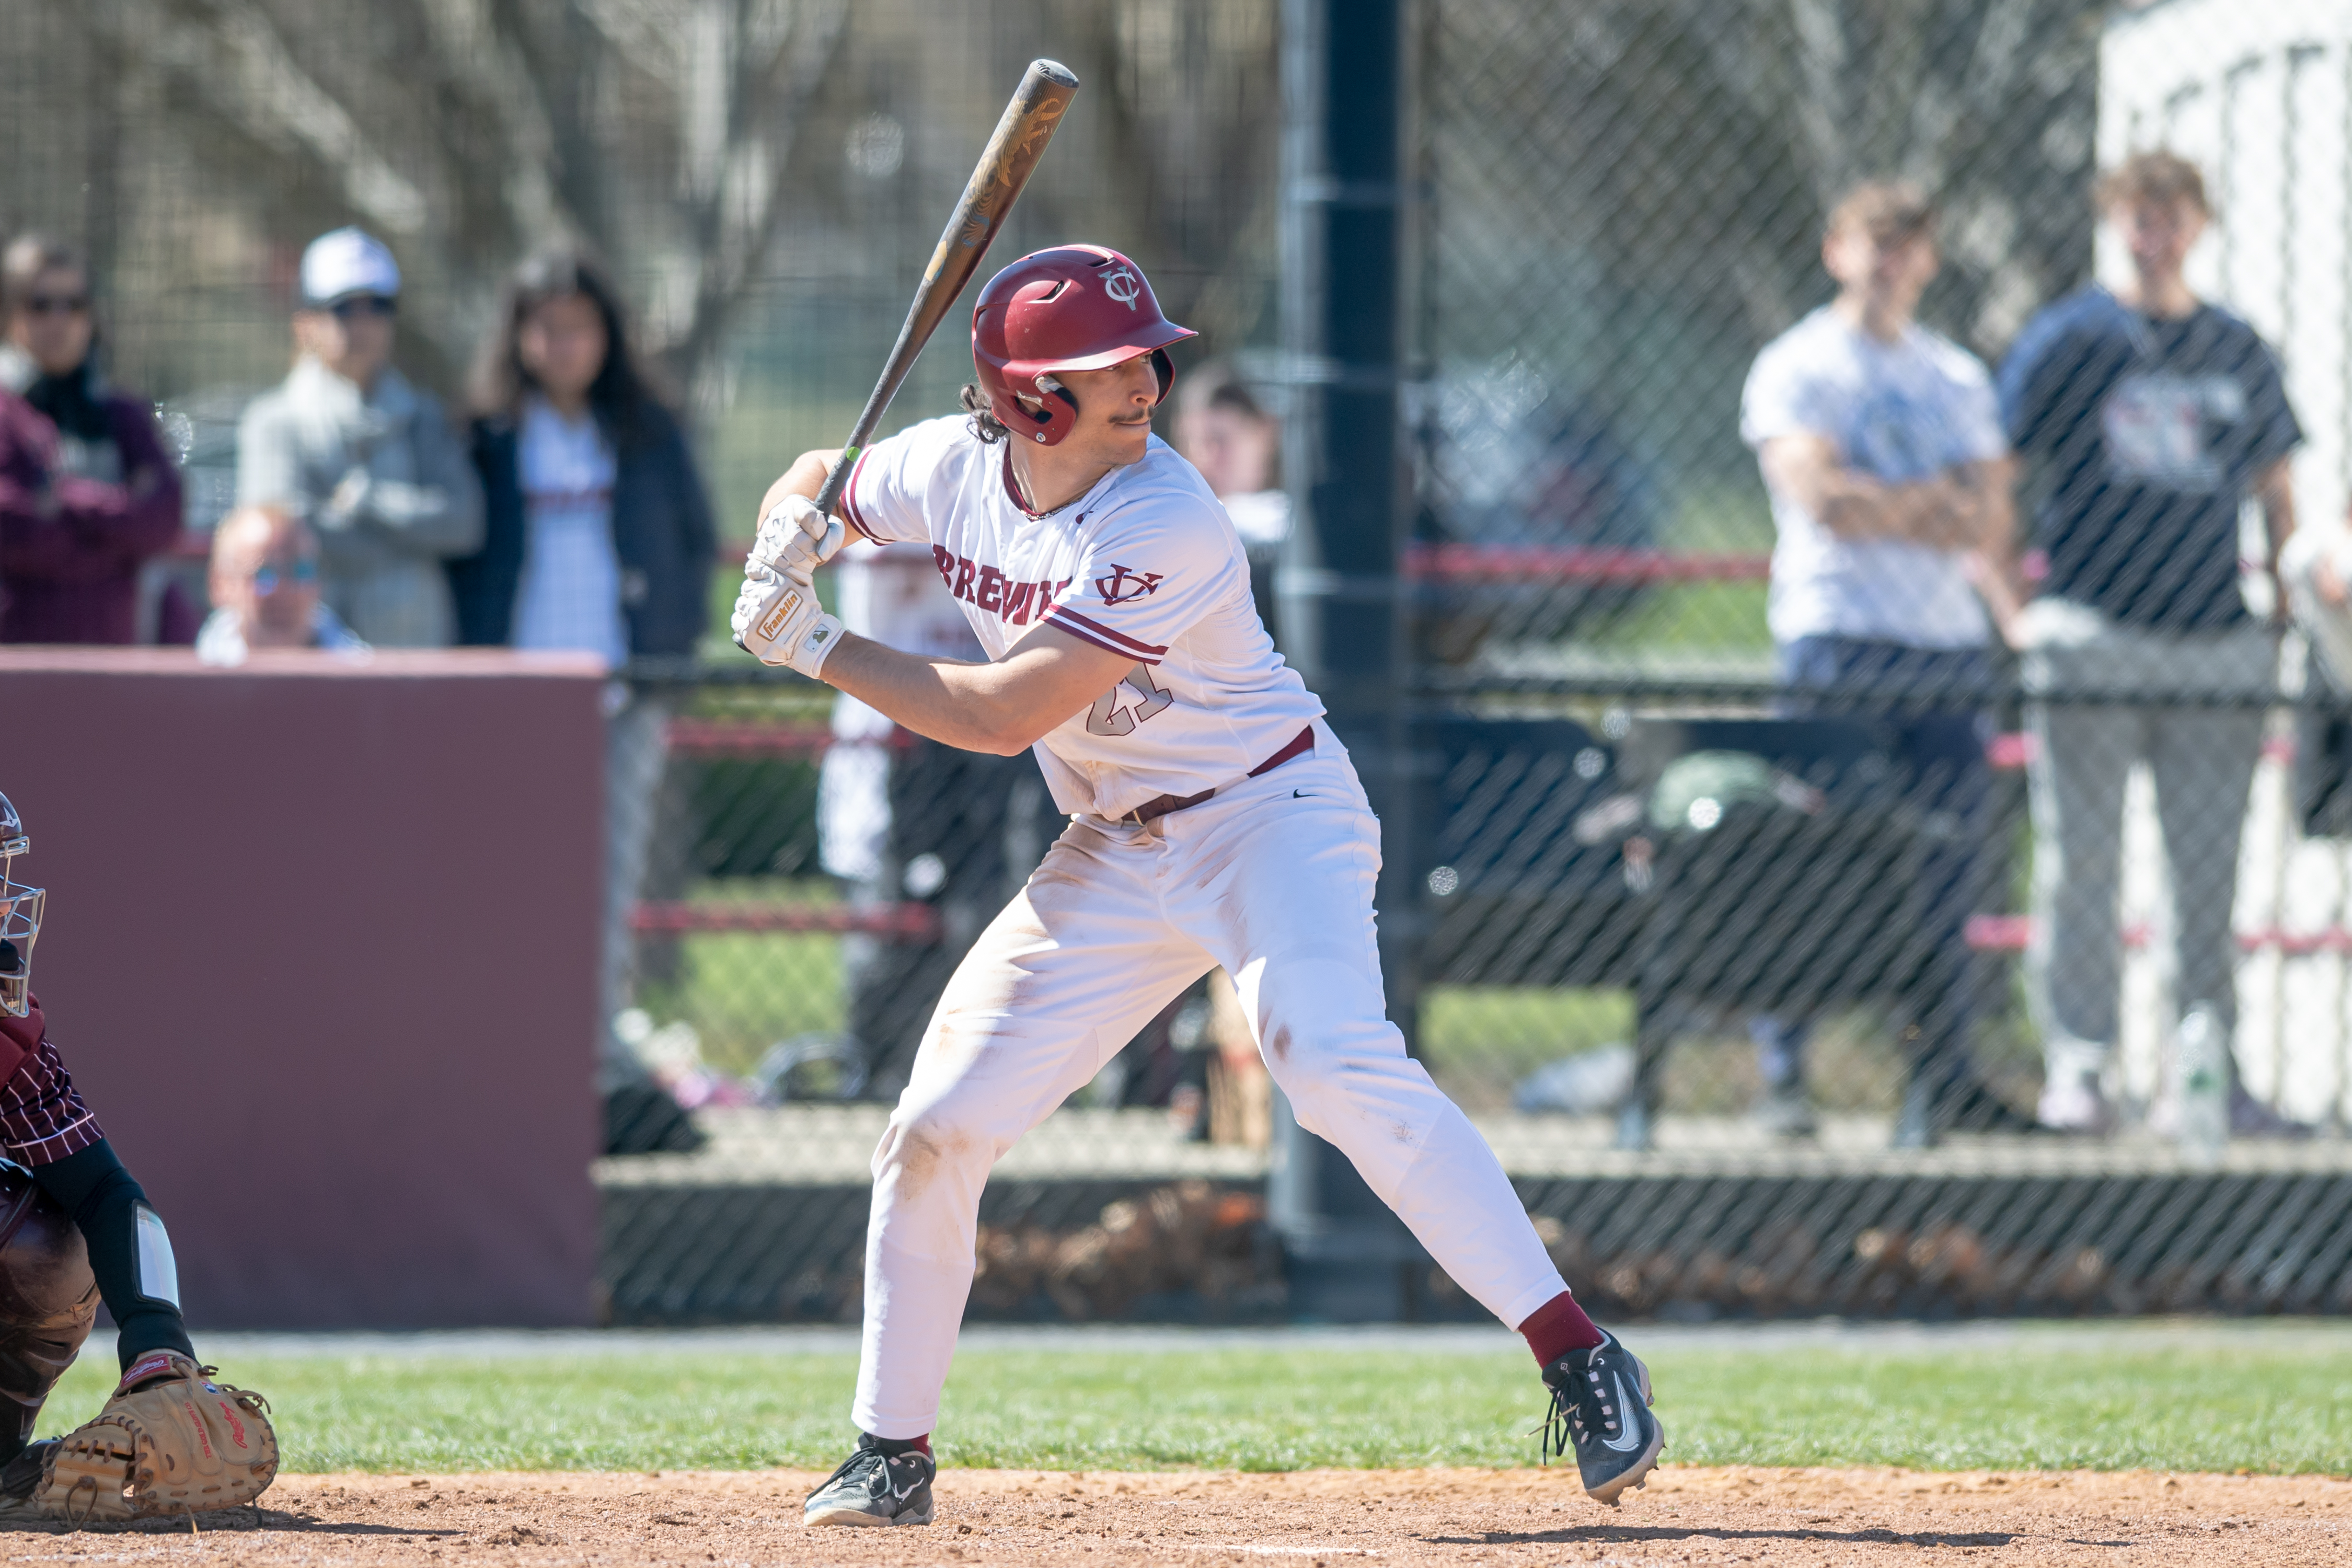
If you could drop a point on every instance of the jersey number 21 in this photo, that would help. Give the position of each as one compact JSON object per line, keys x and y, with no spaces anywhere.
{"x":1109,"y":716}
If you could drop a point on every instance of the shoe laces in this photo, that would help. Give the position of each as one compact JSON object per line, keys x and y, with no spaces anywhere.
{"x":1581,"y":1409}
{"x":861,"y":1470}
{"x":870,"y":1469}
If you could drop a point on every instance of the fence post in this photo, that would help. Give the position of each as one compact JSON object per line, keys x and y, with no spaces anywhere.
{"x":1343,"y":257}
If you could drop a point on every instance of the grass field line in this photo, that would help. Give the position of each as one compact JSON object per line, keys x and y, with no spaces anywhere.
{"x":2206,"y":1397}
{"x":1875,"y":1337}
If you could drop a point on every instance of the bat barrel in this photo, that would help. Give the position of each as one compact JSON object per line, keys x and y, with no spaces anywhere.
{"x":1004,"y":166}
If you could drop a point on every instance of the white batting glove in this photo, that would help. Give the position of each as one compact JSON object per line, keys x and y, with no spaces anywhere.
{"x":795,"y":539}
{"x":778,"y":620}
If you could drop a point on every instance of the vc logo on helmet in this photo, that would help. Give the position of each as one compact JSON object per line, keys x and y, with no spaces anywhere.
{"x":1123,"y":285}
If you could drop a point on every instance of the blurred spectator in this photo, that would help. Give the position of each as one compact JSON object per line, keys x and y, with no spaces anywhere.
{"x":1881,"y":450}
{"x":893,"y":594}
{"x":1539,"y":471}
{"x":2148,"y":417}
{"x":901,"y":818}
{"x":1224,"y":431}
{"x":86,"y":493}
{"x":1221,"y":429}
{"x":2315,"y":570}
{"x":904,"y":819}
{"x":367,"y":459}
{"x":598,"y":534}
{"x":265,"y":590}
{"x":598,"y":540}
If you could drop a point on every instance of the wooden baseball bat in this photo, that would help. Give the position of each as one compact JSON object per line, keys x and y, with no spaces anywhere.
{"x":1045,"y":90}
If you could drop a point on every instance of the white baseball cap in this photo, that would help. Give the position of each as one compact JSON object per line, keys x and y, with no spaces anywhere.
{"x":346,"y":262}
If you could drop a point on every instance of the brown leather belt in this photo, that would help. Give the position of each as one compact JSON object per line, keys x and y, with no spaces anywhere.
{"x":1150,"y":810}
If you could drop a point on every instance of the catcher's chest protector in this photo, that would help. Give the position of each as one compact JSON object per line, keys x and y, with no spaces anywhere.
{"x":49,"y":1298}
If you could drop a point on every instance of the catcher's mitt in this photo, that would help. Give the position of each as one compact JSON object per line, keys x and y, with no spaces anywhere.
{"x":171,"y":1441}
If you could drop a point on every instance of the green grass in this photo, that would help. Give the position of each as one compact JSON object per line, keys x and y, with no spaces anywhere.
{"x":744,"y":991}
{"x":2266,"y":1401}
{"x":1479,"y":1040}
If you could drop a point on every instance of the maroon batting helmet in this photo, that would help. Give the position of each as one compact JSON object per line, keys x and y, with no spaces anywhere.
{"x":1076,"y":307}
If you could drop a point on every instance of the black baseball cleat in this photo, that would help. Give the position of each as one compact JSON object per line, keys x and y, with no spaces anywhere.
{"x":875,"y":1487}
{"x":1600,"y":1411}
{"x":21,"y":1476}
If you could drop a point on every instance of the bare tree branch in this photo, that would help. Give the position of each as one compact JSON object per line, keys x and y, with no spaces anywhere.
{"x":738,"y":207}
{"x":480,"y":62}
{"x":229,"y":53}
{"x":1205,"y":288}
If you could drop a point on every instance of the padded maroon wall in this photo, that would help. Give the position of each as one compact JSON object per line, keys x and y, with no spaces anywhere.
{"x":320,"y":951}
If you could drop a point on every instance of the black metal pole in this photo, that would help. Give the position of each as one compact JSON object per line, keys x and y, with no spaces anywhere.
{"x":1343,"y":265}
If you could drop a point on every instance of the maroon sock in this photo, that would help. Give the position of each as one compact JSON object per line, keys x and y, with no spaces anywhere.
{"x":897,"y":1445}
{"x":1558,"y":1327}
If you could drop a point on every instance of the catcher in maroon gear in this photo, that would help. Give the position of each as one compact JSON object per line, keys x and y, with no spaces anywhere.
{"x":76,"y":1228}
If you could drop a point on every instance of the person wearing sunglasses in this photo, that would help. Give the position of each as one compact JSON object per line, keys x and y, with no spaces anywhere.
{"x":265,"y":590}
{"x":86,"y":493}
{"x":369,"y":461}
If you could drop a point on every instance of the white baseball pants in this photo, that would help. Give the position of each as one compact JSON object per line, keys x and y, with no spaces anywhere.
{"x":1271,"y":879}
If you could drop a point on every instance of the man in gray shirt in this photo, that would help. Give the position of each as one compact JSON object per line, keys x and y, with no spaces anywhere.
{"x":345,"y":443}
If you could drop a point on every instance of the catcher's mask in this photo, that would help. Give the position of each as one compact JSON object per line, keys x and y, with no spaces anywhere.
{"x":20,"y":917}
{"x":1079,"y":307}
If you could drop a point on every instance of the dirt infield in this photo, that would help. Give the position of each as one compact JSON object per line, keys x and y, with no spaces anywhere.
{"x":1331,"y":1518}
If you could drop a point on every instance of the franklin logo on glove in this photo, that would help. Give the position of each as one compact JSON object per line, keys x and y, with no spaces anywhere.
{"x":774,"y":623}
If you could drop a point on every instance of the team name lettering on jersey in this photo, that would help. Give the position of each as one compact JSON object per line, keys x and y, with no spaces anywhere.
{"x":1145,"y":566}
{"x":984,"y":587}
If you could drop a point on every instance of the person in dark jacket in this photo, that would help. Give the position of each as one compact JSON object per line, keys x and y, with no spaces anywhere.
{"x":588,"y":483}
{"x":598,"y":540}
{"x":86,"y":493}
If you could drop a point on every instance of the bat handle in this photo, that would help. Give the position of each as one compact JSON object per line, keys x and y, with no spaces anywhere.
{"x":828,"y":495}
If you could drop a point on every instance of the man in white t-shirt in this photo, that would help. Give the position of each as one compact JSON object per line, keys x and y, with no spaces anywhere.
{"x":902,"y":818}
{"x":892,"y":595}
{"x":1215,"y":820}
{"x":1881,"y":450}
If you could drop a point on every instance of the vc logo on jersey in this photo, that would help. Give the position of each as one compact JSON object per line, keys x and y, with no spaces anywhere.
{"x":1123,"y":285}
{"x":1120,"y":584}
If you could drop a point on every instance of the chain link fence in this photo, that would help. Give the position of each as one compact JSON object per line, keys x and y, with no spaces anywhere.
{"x":1904,"y":619}
{"x":1858,"y":725}
{"x":1878,"y":815}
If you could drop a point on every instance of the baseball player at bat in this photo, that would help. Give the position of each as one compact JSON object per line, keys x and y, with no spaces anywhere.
{"x":1215,"y":820}
{"x":76,"y":1229}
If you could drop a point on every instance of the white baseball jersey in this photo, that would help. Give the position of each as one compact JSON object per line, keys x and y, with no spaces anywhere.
{"x":1146,"y":564}
{"x":1900,"y":412}
{"x":893,"y":596}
